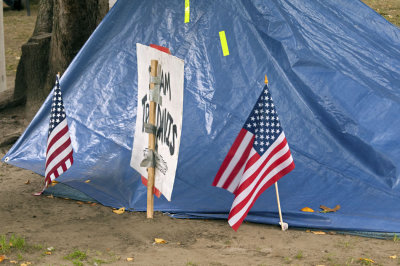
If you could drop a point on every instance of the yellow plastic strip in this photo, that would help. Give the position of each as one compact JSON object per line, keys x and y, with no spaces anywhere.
{"x":187,"y":11}
{"x":224,"y":44}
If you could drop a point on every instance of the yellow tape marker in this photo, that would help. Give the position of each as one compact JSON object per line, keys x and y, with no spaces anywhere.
{"x":187,"y":11}
{"x":224,"y":44}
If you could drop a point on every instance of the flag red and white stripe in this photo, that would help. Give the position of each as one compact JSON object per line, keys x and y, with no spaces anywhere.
{"x":59,"y":153}
{"x":259,"y":156}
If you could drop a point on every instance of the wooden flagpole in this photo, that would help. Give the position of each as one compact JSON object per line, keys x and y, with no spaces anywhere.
{"x":152,"y":142}
{"x":284,"y":226}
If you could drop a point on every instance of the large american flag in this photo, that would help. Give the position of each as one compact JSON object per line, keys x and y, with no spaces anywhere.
{"x":59,"y":149}
{"x":258,"y":157}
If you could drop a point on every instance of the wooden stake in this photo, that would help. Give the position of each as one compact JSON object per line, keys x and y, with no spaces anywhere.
{"x":152,"y":142}
{"x":284,"y":226}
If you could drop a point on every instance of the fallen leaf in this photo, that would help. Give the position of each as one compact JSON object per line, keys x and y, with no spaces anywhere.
{"x":306,"y":209}
{"x":367,"y":260}
{"x":129,"y":259}
{"x":50,"y":196}
{"x":119,"y":211}
{"x":159,"y":241}
{"x":79,"y":202}
{"x":327,"y":209}
{"x":27,"y":182}
{"x":26,"y":263}
{"x":87,"y":181}
{"x":318,"y":232}
{"x":393,"y":257}
{"x":2,"y":257}
{"x":48,"y":253}
{"x":93,"y":204}
{"x":13,"y":261}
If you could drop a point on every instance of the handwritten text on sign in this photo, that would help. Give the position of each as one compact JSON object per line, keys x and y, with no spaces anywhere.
{"x":168,"y":116}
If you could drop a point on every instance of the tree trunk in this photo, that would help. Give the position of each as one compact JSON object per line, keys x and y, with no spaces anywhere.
{"x":62,"y":27}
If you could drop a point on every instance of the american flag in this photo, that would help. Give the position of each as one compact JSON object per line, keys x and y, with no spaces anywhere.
{"x":258,"y":157}
{"x":59,"y":149}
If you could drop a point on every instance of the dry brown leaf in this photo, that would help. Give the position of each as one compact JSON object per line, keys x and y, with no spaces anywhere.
{"x":367,"y":260}
{"x":159,"y":241}
{"x":50,"y":196}
{"x":318,"y":232}
{"x":27,"y":182}
{"x":393,"y":257}
{"x":93,"y":204}
{"x":129,"y":259}
{"x":327,"y":209}
{"x":13,"y":261}
{"x":119,"y":211}
{"x":79,"y":202}
{"x":2,"y":257}
{"x":307,"y":209}
{"x":87,"y":181}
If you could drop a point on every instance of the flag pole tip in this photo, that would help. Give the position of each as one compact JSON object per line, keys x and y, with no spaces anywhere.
{"x":266,"y":80}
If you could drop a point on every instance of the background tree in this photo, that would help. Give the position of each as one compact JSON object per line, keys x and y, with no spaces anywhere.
{"x":62,"y":27}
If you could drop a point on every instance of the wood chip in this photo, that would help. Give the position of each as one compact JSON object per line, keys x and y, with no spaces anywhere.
{"x":327,"y":209}
{"x":307,"y":209}
{"x":119,"y":211}
{"x":318,"y":233}
{"x":159,"y":241}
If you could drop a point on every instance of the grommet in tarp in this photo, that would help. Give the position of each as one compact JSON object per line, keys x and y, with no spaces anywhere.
{"x":6,"y":159}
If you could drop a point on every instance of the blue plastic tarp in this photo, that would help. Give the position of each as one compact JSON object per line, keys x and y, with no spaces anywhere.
{"x":334,"y":73}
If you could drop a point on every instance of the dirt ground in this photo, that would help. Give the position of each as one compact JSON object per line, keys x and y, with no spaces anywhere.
{"x":54,"y":231}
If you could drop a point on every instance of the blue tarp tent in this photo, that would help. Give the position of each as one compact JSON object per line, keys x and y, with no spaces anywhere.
{"x":334,"y":72}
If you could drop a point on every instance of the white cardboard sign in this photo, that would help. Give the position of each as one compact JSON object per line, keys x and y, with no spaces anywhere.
{"x":168,"y":116}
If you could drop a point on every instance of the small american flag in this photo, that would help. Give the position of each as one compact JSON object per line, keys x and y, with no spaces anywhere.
{"x":59,"y":149}
{"x":258,"y":157}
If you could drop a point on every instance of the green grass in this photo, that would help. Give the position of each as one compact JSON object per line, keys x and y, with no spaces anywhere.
{"x":76,"y":254}
{"x":14,"y":243}
{"x":299,"y":255}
